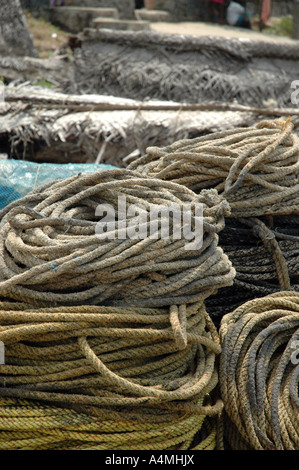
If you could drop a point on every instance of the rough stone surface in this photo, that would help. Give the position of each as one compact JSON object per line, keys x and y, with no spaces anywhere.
{"x":125,"y":7}
{"x":129,"y":25}
{"x":153,"y":15}
{"x":15,"y":39}
{"x":183,"y":10}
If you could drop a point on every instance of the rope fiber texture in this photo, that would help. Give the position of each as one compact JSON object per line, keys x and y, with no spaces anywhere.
{"x":265,"y":254}
{"x":51,"y":255}
{"x":256,"y":169}
{"x":259,"y":373}
{"x":94,"y":377}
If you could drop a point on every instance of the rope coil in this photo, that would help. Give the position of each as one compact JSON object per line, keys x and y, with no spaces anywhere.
{"x":265,"y":254}
{"x":114,"y":332}
{"x":256,"y":169}
{"x":259,"y":373}
{"x":51,"y":255}
{"x":117,"y":373}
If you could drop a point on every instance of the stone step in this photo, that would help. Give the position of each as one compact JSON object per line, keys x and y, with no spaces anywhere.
{"x":127,"y":25}
{"x":125,"y":7}
{"x":82,"y":3}
{"x":153,"y":15}
{"x":74,"y":19}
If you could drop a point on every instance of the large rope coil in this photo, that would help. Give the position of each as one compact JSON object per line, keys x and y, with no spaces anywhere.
{"x":50,"y":253}
{"x":114,"y":333}
{"x":256,"y":168}
{"x":259,"y":373}
{"x":108,"y":378}
{"x":35,"y":426}
{"x":265,"y":254}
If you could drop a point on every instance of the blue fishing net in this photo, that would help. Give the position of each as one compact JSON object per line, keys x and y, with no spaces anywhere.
{"x":19,"y":177}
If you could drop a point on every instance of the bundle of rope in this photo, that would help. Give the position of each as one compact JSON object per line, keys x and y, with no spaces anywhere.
{"x":95,"y":377}
{"x":256,"y":169}
{"x":259,"y":373}
{"x":265,"y":254}
{"x":51,"y":253}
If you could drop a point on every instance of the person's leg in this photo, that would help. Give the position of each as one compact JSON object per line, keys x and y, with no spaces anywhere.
{"x":213,"y":12}
{"x":221,"y":13}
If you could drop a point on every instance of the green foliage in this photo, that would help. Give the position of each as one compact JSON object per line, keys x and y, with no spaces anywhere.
{"x":282,"y":28}
{"x":43,"y":83}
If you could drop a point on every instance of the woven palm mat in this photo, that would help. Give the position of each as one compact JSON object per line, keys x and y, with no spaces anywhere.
{"x":183,"y":68}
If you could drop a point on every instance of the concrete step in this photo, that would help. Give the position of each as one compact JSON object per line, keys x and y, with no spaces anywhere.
{"x":125,"y":7}
{"x":153,"y":15}
{"x":82,"y":3}
{"x":74,"y":19}
{"x":127,"y":25}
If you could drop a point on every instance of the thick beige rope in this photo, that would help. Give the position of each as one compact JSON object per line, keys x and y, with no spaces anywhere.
{"x":256,"y":168}
{"x":107,"y":378}
{"x":51,"y":255}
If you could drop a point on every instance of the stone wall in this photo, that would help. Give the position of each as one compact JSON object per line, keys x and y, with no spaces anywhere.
{"x":35,"y":6}
{"x":125,"y":7}
{"x":180,"y":9}
{"x":15,"y":39}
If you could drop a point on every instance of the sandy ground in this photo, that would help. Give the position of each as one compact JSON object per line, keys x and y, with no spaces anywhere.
{"x":206,"y":29}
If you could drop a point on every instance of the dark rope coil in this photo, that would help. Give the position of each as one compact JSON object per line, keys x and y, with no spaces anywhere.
{"x":265,"y":254}
{"x":259,"y":373}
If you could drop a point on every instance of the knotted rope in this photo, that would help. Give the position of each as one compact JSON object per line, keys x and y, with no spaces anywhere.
{"x":256,"y":169}
{"x":94,"y":377}
{"x":259,"y":373}
{"x":50,"y":253}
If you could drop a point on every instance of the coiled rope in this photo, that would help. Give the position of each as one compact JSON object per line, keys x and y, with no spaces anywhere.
{"x":94,"y":377}
{"x":256,"y":169}
{"x":259,"y":373}
{"x":28,"y":426}
{"x":51,"y":255}
{"x":265,"y":255}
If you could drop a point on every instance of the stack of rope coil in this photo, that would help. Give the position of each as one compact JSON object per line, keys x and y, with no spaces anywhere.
{"x":94,"y":377}
{"x":259,"y":373}
{"x":256,"y":169}
{"x":117,"y":336}
{"x":50,"y":251}
{"x":137,"y":368}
